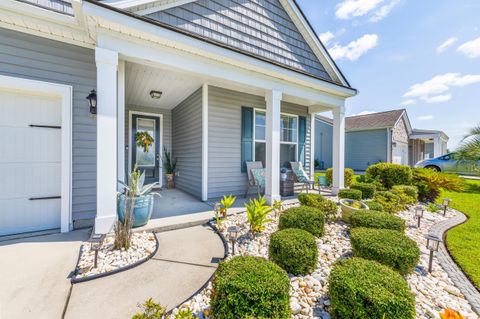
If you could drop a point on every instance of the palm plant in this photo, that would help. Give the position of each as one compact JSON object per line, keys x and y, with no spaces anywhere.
{"x":257,"y":212}
{"x":469,"y":150}
{"x":227,"y":202}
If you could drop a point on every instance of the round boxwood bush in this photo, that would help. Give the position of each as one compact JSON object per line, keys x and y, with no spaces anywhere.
{"x":304,"y":217}
{"x":388,"y":247}
{"x":360,"y":289}
{"x":390,"y":201}
{"x":373,"y":205}
{"x":328,"y":207}
{"x":295,"y":250}
{"x":408,"y":193}
{"x":374,"y":219}
{"x":389,"y":174}
{"x":367,"y":189}
{"x":350,"y":194}
{"x":250,"y":287}
{"x":347,"y":176}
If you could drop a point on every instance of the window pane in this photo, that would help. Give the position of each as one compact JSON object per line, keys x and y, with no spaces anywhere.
{"x":287,"y":154}
{"x":260,"y":152}
{"x":288,"y":127}
{"x":259,"y":126}
{"x":146,"y":158}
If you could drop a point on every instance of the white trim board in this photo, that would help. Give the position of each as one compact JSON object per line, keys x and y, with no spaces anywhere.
{"x":65,"y":93}
{"x":160,"y":164}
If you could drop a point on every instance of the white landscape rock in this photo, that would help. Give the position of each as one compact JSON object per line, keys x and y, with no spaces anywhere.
{"x":109,"y":259}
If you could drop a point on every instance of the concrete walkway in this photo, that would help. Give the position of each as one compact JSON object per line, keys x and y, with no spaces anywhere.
{"x":34,"y":274}
{"x":186,"y":259}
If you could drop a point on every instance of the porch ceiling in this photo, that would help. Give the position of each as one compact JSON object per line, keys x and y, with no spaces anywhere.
{"x":141,"y":79}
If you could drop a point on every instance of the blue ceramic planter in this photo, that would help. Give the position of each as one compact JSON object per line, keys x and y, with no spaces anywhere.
{"x":142,"y":211}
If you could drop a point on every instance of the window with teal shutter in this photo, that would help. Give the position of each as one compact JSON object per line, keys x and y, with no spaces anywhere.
{"x":247,"y":136}
{"x":302,"y":138}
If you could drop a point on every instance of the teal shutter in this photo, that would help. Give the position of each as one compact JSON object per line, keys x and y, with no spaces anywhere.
{"x":302,"y":137}
{"x":247,"y":136}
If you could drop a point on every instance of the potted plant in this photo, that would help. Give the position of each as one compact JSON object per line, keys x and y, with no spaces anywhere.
{"x":349,"y":206}
{"x":283,"y":174}
{"x":136,"y":200}
{"x":144,"y":140}
{"x":170,"y":165}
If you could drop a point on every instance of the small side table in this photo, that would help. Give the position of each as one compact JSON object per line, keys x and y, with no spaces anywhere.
{"x":287,"y":188}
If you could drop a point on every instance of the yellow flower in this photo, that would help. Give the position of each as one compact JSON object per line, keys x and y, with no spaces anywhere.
{"x":451,"y":314}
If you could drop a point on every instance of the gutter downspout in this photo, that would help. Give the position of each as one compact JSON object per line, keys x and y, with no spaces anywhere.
{"x":389,"y":145}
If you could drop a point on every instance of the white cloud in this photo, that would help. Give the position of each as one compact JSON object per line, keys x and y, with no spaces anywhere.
{"x":425,"y":117}
{"x":445,"y":45}
{"x":377,"y":9}
{"x":355,"y":8}
{"x":437,"y":89}
{"x":384,"y":10}
{"x":363,"y":113}
{"x":326,"y":37}
{"x":354,"y":49}
{"x":408,"y":102}
{"x":471,"y":48}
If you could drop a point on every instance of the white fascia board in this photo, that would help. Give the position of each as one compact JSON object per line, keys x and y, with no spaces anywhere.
{"x":141,"y":29}
{"x":147,"y":9}
{"x":308,"y":33}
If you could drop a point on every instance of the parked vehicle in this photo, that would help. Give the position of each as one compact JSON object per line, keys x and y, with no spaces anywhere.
{"x":448,"y":164}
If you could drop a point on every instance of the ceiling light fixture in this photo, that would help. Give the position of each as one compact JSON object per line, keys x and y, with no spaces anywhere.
{"x":155,"y":94}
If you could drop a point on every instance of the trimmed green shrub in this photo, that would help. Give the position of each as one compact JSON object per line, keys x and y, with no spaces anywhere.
{"x":374,"y":219}
{"x":390,"y":202}
{"x":367,"y":189}
{"x":373,"y":205}
{"x":350,"y":194}
{"x":310,"y":219}
{"x":348,"y":176}
{"x":407,"y":193}
{"x":390,"y":174}
{"x":250,"y":287}
{"x":388,"y":247}
{"x":361,"y":289}
{"x":295,"y":250}
{"x":430,"y":182}
{"x":328,"y":207}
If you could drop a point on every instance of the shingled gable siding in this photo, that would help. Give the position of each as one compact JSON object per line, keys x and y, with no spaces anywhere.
{"x":31,"y":57}
{"x":260,"y":27}
{"x":224,"y":135}
{"x":187,"y":144}
{"x":62,"y":6}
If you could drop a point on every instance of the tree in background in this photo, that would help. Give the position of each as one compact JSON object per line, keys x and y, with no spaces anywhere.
{"x":469,"y":149}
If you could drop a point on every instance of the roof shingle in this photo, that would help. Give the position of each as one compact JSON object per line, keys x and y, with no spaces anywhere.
{"x":369,"y":121}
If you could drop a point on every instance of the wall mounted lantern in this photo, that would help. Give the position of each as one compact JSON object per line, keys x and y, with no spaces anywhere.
{"x":92,"y":102}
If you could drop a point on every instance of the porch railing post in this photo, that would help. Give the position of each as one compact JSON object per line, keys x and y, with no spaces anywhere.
{"x":338,"y":149}
{"x":272,"y":187}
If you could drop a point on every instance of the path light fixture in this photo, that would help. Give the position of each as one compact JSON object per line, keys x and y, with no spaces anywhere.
{"x":233,"y":232}
{"x":92,"y":102}
{"x":433,"y":243}
{"x":445,"y":203}
{"x":96,"y":241}
{"x":216,"y":208}
{"x":418,"y":214}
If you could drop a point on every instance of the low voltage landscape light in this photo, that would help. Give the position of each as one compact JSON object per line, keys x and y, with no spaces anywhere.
{"x":96,"y":244}
{"x":233,"y":232}
{"x":445,"y":203}
{"x":433,"y":243}
{"x":418,"y":214}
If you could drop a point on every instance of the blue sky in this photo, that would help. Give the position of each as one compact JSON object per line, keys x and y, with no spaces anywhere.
{"x":391,"y":51}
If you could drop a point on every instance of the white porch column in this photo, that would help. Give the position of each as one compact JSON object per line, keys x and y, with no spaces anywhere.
{"x":437,"y":146}
{"x":338,"y":149}
{"x":107,"y":62}
{"x":312,"y":146}
{"x":272,"y":186}
{"x":205,"y":142}
{"x":121,"y":123}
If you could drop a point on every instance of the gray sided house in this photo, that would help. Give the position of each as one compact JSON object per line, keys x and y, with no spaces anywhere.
{"x":369,"y":139}
{"x":216,"y":83}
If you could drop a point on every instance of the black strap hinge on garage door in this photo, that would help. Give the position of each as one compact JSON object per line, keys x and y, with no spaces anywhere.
{"x":45,"y":126}
{"x":44,"y":198}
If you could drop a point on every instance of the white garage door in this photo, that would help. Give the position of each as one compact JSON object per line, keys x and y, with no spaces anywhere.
{"x":30,"y":158}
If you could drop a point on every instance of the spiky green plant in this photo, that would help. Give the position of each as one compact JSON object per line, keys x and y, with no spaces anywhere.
{"x":257,"y":212}
{"x":169,"y":163}
{"x":227,"y":202}
{"x":277,"y":206}
{"x":150,"y":310}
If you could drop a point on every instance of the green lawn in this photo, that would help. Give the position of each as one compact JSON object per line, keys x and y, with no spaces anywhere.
{"x":464,"y":241}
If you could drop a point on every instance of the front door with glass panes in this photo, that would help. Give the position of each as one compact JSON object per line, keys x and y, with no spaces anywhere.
{"x":146,"y":146}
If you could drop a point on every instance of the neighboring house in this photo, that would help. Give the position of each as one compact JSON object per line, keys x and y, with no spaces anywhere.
{"x":425,"y":144}
{"x":217,"y":82}
{"x":369,"y":139}
{"x":378,"y":137}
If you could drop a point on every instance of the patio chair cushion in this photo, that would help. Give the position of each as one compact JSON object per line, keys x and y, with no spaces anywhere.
{"x":322,"y":181}
{"x":301,"y":175}
{"x":259,"y":176}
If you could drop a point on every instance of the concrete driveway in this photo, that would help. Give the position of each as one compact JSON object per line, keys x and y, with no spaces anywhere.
{"x":34,"y":274}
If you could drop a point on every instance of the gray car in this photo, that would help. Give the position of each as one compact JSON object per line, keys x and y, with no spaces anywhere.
{"x":446,"y":163}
